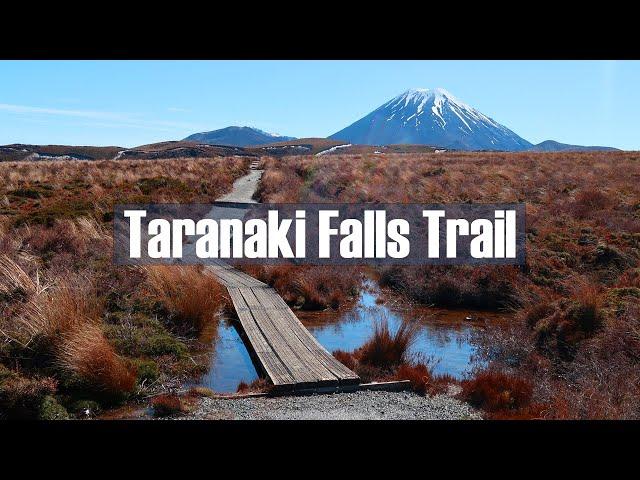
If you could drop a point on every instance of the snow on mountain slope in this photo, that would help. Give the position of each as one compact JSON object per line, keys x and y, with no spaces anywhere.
{"x":431,"y":117}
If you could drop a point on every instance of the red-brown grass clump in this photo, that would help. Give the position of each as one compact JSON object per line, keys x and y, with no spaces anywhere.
{"x":560,"y":326}
{"x":348,"y":359}
{"x":386,"y":348}
{"x":422,"y":379}
{"x":166,"y":405}
{"x":386,"y":356}
{"x":501,"y":395}
{"x":194,"y":297}
{"x":86,"y":353}
{"x":383,"y":353}
{"x":64,"y":320}
{"x":310,"y":287}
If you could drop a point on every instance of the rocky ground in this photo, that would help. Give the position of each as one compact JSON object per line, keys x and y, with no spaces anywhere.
{"x":362,"y":405}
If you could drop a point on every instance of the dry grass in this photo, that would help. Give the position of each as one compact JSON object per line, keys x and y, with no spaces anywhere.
{"x":386,"y":356}
{"x":194,"y":297}
{"x":167,"y":405}
{"x":65,"y":309}
{"x":13,"y":280}
{"x":62,"y":308}
{"x":86,"y":353}
{"x":574,"y":337}
{"x":64,"y":321}
{"x":383,"y":353}
{"x":387,"y":349}
{"x":348,"y":359}
{"x":41,"y":192}
{"x":310,"y":287}
{"x":423,"y":380}
{"x":501,"y":395}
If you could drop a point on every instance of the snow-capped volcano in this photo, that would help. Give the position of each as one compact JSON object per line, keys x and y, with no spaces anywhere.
{"x":431,"y":117}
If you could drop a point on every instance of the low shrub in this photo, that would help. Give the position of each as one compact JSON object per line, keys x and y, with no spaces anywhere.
{"x":423,"y":381}
{"x":309,"y":287}
{"x":50,"y":409}
{"x":20,"y":396}
{"x":166,"y":405}
{"x":147,"y":371}
{"x":497,"y":392}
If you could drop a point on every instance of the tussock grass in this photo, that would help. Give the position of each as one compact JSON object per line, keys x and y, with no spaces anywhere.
{"x":64,"y":321}
{"x":66,"y":311}
{"x":194,"y":297}
{"x":74,"y":188}
{"x":309,"y":287}
{"x":386,"y":356}
{"x":166,"y":405}
{"x":86,"y":353}
{"x":387,"y":348}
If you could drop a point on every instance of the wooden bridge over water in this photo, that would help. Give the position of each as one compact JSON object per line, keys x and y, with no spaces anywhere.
{"x":288,"y":354}
{"x":285,"y":350}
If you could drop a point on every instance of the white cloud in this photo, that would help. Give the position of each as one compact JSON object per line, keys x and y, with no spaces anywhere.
{"x":112,"y":119}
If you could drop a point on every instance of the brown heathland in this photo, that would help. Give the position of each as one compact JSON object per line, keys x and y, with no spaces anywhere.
{"x":74,"y":327}
{"x":574,"y":337}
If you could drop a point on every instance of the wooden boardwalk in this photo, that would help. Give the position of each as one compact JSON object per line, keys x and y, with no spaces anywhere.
{"x":288,"y":354}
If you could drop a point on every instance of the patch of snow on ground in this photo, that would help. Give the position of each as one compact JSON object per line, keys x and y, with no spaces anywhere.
{"x":332,"y":149}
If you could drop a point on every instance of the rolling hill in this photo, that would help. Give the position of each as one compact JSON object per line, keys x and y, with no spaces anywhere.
{"x":553,"y":146}
{"x":237,"y":137}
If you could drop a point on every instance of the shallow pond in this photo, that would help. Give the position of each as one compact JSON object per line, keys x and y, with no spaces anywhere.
{"x":444,"y":337}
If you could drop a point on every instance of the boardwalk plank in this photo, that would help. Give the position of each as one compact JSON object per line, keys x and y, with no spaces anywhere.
{"x":336,"y":367}
{"x":296,"y":342}
{"x":271,"y":363}
{"x":299,"y":371}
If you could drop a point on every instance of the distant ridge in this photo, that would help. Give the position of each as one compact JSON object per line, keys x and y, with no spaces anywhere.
{"x":553,"y":146}
{"x":237,"y":137}
{"x":19,"y":152}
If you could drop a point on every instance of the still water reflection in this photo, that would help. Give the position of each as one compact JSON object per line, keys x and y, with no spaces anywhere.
{"x":444,"y":337}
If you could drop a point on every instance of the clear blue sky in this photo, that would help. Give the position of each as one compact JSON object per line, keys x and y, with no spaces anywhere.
{"x":129,"y":103}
